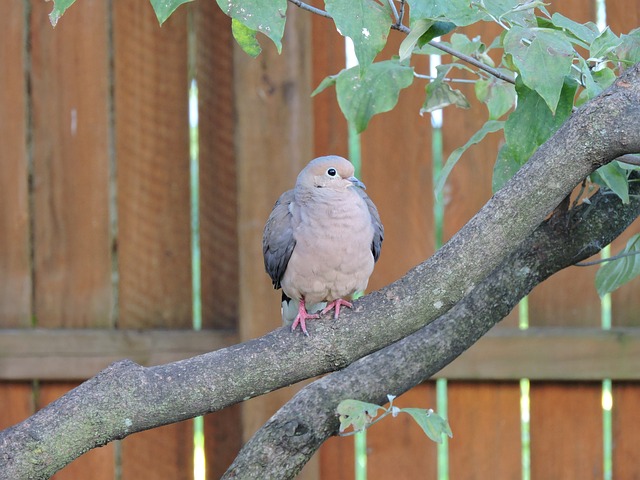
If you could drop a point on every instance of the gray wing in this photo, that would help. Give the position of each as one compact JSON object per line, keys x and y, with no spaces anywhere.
{"x":378,"y":229}
{"x":277,"y":240}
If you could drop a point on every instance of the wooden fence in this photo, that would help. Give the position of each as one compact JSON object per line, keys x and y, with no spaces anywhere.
{"x":95,"y":253}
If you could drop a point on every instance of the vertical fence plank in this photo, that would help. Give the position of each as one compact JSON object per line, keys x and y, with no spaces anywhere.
{"x":218,"y":203}
{"x":152,"y":151}
{"x":486,"y":432}
{"x":566,"y":431}
{"x":218,"y":209}
{"x":15,"y":276}
{"x":71,"y":167}
{"x":330,"y":129}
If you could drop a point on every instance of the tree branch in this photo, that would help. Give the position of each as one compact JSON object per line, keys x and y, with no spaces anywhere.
{"x":126,"y":398}
{"x":293,"y":434}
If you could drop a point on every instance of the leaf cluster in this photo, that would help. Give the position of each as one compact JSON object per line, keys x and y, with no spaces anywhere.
{"x":360,"y":415}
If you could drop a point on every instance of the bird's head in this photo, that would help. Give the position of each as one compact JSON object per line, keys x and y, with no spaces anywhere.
{"x":331,"y":172}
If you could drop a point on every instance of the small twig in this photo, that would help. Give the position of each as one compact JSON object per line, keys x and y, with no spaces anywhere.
{"x":309,"y":8}
{"x":401,"y":19}
{"x":446,"y":79}
{"x":604,"y":260}
{"x":476,"y":63}
{"x":395,"y":12}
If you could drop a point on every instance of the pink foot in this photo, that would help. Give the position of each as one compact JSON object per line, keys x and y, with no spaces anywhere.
{"x":336,"y":304}
{"x":302,"y":317}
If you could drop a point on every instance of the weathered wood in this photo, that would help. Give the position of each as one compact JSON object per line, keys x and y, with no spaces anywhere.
{"x":152,"y":154}
{"x":218,"y":200}
{"x":504,"y":354}
{"x":82,"y":353}
{"x":566,"y":430}
{"x":15,"y":268}
{"x":551,"y":354}
{"x":70,"y":135}
{"x":485,"y":420}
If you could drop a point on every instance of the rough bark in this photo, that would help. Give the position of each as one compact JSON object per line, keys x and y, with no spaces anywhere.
{"x":126,"y":398}
{"x":288,"y":440}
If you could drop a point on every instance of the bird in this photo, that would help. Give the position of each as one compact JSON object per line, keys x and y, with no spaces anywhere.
{"x":321,"y":241}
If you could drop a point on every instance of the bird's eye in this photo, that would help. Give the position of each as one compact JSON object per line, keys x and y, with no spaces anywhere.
{"x":332,"y":172}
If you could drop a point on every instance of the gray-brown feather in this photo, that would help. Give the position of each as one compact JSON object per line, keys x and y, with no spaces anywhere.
{"x":277,"y":240}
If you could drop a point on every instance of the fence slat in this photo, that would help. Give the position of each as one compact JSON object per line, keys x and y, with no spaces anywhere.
{"x":486,"y":432}
{"x":218,"y":202}
{"x":152,"y":151}
{"x":566,"y":430}
{"x":72,"y":251}
{"x":15,"y":275}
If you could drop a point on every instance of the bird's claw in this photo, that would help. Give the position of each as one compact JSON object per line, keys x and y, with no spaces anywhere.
{"x":336,"y":304}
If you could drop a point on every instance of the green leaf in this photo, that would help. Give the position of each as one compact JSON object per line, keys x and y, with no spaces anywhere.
{"x":440,"y":95}
{"x":616,"y":273}
{"x":59,"y":7}
{"x":433,"y":424}
{"x":604,"y":43}
{"x":499,"y":96}
{"x":366,"y":22}
{"x":436,"y":30}
{"x":489,"y":127}
{"x":543,"y":57}
{"x":246,"y":38}
{"x":356,"y":414}
{"x":458,"y":12}
{"x":411,"y":40}
{"x":515,"y":12}
{"x":586,"y":33}
{"x":529,"y":126}
{"x":361,"y":96}
{"x":595,"y":81}
{"x":267,"y":18}
{"x":614,"y":178}
{"x":629,"y":49}
{"x":324,"y":84}
{"x":532,"y":122}
{"x":164,"y":8}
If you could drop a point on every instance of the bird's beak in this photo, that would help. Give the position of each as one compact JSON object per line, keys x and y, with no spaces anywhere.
{"x":357,"y":183}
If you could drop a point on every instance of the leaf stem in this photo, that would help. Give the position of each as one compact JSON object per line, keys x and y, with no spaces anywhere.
{"x":310,"y":8}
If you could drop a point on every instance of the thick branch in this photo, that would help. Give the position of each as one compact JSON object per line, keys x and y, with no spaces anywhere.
{"x":126,"y":398}
{"x":289,"y":439}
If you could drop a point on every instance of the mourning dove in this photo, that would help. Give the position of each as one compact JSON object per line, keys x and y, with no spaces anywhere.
{"x":321,"y":241}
